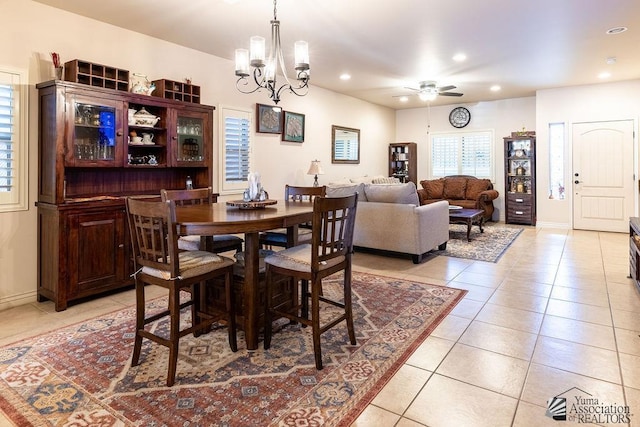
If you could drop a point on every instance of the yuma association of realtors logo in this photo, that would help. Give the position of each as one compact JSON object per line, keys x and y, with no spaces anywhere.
{"x":582,"y":407}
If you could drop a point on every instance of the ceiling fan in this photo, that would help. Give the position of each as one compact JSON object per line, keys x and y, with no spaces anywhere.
{"x":428,"y":91}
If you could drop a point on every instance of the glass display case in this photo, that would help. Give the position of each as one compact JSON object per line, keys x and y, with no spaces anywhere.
{"x":520,"y":179}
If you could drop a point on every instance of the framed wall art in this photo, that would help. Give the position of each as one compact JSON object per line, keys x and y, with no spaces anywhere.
{"x":268,"y":119}
{"x":293,"y":127}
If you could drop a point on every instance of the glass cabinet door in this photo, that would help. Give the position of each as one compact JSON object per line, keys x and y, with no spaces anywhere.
{"x":191,"y":130}
{"x":519,"y":166}
{"x":96,"y":135}
{"x":190,"y":139}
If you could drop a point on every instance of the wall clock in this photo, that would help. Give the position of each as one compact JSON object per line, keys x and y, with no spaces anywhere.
{"x":459,"y":117}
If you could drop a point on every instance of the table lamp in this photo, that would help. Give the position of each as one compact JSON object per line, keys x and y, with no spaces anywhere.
{"x":315,"y":169}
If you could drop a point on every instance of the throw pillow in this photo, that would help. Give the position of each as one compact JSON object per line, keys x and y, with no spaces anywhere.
{"x":455,"y":188}
{"x":347,"y":190}
{"x":475,"y":187}
{"x":386,"y":180}
{"x":434,"y":188}
{"x":392,"y":193}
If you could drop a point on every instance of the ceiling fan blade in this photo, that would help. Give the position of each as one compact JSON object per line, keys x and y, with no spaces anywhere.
{"x":412,"y":88}
{"x":445,"y":88}
{"x":400,"y":96}
{"x":450,"y":94}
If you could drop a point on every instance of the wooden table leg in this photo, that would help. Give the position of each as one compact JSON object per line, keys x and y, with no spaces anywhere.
{"x":469,"y":223}
{"x":250,"y":289}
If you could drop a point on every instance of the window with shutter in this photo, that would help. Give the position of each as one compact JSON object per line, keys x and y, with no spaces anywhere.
{"x":235,"y":149}
{"x":13,"y":140}
{"x":462,"y":153}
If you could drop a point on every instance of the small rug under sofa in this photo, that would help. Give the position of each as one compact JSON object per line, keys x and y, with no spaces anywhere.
{"x":488,"y":246}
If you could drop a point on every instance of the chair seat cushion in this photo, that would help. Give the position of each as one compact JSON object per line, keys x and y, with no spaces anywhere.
{"x":298,"y":258}
{"x":192,"y":263}
{"x":192,"y":243}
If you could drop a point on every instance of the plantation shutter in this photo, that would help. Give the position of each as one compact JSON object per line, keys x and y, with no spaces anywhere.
{"x":7,"y":138}
{"x":14,"y":167}
{"x":236,"y":148}
{"x":444,"y":156}
{"x":476,"y":155}
{"x":462,"y":153}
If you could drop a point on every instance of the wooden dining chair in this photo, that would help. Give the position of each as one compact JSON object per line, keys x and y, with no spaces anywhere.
{"x":279,"y":236}
{"x":329,"y":252}
{"x":158,"y":262}
{"x":219,"y":243}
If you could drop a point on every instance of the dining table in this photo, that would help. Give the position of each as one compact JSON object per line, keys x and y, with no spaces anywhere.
{"x":232,"y":218}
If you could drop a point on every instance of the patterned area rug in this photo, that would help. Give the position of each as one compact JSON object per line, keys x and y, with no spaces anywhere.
{"x":81,"y":375}
{"x":488,"y":246}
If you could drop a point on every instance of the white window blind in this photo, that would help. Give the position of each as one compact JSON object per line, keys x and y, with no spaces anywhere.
{"x":236,"y":148}
{"x":462,"y":153}
{"x":13,"y":159}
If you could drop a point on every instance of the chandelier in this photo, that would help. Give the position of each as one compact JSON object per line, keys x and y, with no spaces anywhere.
{"x":265,"y":71}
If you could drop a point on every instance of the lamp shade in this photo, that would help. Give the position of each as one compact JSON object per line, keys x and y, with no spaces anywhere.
{"x":315,"y":168}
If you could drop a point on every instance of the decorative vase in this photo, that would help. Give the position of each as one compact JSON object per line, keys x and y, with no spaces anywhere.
{"x":58,"y":71}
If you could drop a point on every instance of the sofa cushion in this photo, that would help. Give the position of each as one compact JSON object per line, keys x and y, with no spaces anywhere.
{"x":455,"y":188}
{"x":475,"y":187}
{"x":434,"y":188}
{"x":392,"y":193}
{"x":347,"y":190}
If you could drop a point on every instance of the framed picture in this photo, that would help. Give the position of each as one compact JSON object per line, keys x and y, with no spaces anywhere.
{"x":268,"y":119}
{"x":293,"y":128}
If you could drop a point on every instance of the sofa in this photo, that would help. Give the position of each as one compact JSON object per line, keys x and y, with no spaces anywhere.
{"x":390,"y":219}
{"x":460,"y":190}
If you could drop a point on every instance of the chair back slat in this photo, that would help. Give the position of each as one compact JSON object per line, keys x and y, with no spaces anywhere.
{"x":152,"y":227}
{"x":196,"y":196}
{"x":333,"y":223}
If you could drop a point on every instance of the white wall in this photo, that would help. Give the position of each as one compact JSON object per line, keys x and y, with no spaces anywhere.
{"x":30,"y":31}
{"x":501,"y":116}
{"x":607,"y":101}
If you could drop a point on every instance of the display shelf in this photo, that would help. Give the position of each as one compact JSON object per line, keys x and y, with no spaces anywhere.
{"x":520,"y":179}
{"x":178,"y":91}
{"x":403,"y":161}
{"x":96,"y":75}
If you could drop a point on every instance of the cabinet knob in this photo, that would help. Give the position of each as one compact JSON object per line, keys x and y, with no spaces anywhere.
{"x":119,"y":133}
{"x":121,"y":245}
{"x":174,"y":137}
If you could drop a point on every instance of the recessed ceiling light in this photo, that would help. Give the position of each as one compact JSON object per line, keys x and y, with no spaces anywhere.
{"x":495,"y":88}
{"x":403,"y":98}
{"x":616,"y":30}
{"x":611,"y":60}
{"x":604,"y":75}
{"x":459,"y":57}
{"x":345,"y":76}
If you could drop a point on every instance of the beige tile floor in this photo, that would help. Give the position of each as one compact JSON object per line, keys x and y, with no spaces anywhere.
{"x":556,"y":312}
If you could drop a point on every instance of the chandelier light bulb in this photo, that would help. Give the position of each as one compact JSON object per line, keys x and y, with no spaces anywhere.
{"x":257,"y":46}
{"x":242,"y":62}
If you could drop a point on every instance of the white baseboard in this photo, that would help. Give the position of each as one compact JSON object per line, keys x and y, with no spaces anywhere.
{"x":16,"y":300}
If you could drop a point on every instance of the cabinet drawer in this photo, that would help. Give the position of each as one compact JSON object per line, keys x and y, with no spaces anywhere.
{"x":515,"y":199}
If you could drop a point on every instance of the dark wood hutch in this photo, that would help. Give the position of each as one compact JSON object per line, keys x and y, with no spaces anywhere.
{"x":88,"y":165}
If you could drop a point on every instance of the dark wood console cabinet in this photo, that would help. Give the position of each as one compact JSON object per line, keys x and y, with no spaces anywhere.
{"x":88,"y":165}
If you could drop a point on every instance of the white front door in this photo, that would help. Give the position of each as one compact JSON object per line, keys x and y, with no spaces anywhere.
{"x":603,"y":180}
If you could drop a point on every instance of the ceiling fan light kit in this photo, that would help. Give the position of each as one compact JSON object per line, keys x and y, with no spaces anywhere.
{"x":428,"y":91}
